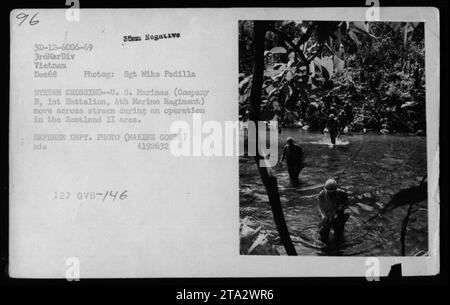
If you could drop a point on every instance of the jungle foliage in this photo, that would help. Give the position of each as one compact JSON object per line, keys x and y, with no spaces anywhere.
{"x":369,"y":74}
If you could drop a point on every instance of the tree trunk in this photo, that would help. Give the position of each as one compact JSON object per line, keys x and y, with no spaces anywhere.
{"x":268,"y":178}
{"x":403,"y":232}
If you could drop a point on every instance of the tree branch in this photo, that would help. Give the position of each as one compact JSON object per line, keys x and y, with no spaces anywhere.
{"x":304,"y":38}
{"x":268,"y":178}
{"x":403,"y":231}
{"x":287,"y":39}
{"x":311,"y":58}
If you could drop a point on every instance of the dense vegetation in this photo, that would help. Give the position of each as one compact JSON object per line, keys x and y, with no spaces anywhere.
{"x":370,"y":75}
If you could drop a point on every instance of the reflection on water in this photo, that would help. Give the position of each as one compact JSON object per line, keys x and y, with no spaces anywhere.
{"x":371,"y":166}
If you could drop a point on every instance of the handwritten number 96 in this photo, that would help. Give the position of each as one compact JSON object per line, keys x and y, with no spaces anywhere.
{"x":23,"y":17}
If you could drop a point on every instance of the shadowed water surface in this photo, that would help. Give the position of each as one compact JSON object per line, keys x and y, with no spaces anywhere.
{"x":370,"y":166}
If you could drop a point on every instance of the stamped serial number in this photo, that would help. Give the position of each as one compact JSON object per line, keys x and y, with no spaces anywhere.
{"x":109,"y":195}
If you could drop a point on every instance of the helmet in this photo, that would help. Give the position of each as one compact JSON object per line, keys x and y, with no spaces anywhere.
{"x":289,"y":140}
{"x":331,"y":185}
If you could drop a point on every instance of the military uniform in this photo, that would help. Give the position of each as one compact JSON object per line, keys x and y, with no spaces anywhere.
{"x":294,"y":160}
{"x":333,"y":128}
{"x":332,"y":213}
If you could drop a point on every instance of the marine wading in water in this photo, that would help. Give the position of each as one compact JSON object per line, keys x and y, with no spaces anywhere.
{"x":293,"y":154}
{"x":333,"y":128}
{"x":333,"y":201}
{"x":332,"y":204}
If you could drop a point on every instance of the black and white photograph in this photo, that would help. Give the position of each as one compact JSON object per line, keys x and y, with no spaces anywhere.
{"x":224,"y":143}
{"x":348,"y":100}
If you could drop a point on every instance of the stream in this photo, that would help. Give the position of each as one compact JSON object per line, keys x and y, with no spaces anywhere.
{"x":370,"y":166}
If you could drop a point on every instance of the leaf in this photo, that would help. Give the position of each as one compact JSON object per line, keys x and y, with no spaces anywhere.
{"x":289,"y":75}
{"x":286,"y":22}
{"x":317,"y":63}
{"x":244,"y":83}
{"x":260,"y":241}
{"x":245,"y":90}
{"x":396,"y":25}
{"x":338,"y":65}
{"x":276,"y":106}
{"x":365,"y":207}
{"x":327,"y":66}
{"x":278,"y":66}
{"x":355,"y":38}
{"x":278,"y":76}
{"x":405,"y":34}
{"x":409,"y":104}
{"x":409,"y":27}
{"x":285,"y":93}
{"x":362,"y":27}
{"x":341,"y":51}
{"x":274,"y":70}
{"x":406,"y":196}
{"x":312,"y":68}
{"x":315,"y":82}
{"x":354,"y":210}
{"x":278,"y":50}
{"x":270,"y":89}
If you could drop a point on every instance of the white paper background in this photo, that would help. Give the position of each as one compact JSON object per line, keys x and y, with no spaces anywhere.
{"x":182,"y":215}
